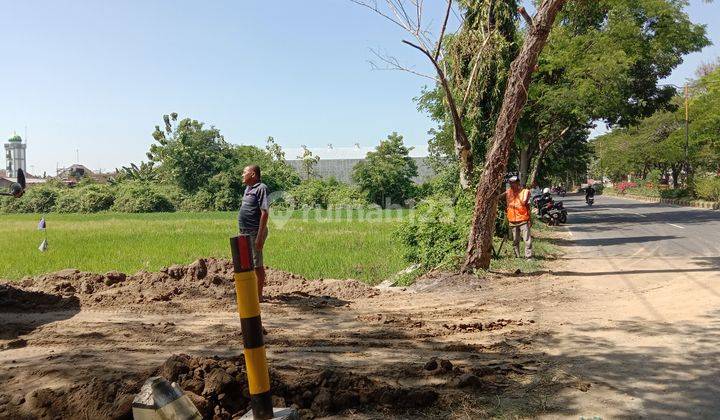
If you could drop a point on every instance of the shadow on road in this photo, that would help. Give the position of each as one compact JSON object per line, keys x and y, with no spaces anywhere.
{"x":610,"y":241}
{"x":669,"y":381}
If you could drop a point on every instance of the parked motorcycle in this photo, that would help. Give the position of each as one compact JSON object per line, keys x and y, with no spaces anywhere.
{"x":551,"y":212}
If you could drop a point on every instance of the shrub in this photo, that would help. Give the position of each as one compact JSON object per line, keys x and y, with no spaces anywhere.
{"x":436,"y":234}
{"x":200,"y":201}
{"x":37,"y":199}
{"x":325,"y":193}
{"x":707,"y":187}
{"x":622,"y":186}
{"x":675,"y":193}
{"x":139,"y":197}
{"x":654,"y":176}
{"x":68,"y":202}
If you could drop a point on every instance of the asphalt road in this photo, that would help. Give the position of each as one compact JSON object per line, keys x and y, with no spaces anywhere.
{"x":642,"y":318}
{"x":619,"y":227}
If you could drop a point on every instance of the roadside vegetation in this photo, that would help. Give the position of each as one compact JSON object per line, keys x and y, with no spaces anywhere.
{"x":651,"y":158}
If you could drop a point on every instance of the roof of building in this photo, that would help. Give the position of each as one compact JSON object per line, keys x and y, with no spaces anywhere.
{"x":341,"y":153}
{"x":28,"y":181}
{"x":15,"y":139}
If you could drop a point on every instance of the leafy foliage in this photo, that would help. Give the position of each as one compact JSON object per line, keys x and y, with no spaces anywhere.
{"x":325,"y":193}
{"x":86,"y":199}
{"x":140,"y":197}
{"x":707,"y":187}
{"x":386,"y":173}
{"x":189,"y":154}
{"x":436,"y":234}
{"x":38,"y":199}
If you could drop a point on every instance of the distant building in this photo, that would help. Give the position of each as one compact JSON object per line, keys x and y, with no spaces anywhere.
{"x":76,"y":171}
{"x":5,"y":182}
{"x":338,"y":162}
{"x":15,"y":156}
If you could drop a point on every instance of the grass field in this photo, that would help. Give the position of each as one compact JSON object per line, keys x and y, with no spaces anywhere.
{"x":315,"y":244}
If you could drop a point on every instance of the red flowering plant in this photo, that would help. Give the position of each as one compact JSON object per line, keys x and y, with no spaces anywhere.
{"x":621,"y":187}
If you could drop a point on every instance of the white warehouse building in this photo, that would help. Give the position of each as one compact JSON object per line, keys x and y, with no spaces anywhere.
{"x":338,"y":162}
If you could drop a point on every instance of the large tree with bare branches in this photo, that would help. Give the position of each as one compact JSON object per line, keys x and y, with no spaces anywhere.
{"x":456,"y":77}
{"x":479,"y":250}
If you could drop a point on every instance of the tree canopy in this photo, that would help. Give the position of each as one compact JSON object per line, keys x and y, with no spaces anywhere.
{"x":386,"y":173}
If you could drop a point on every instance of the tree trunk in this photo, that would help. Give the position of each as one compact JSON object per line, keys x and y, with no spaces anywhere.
{"x":536,"y":166}
{"x":464,"y":155}
{"x":524,"y":164}
{"x":479,"y":250}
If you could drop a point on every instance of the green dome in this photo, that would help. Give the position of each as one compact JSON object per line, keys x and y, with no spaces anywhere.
{"x":15,"y":139}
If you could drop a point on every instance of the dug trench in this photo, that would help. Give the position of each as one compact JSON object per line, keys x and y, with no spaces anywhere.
{"x":80,"y":345}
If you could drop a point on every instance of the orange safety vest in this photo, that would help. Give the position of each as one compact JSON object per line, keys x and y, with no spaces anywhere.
{"x":517,"y":210}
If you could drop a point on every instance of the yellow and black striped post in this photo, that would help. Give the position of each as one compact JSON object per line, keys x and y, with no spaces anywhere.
{"x":248,"y":304}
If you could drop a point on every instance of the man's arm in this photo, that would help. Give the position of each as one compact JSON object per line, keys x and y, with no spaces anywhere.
{"x":260,"y":240}
{"x":264,"y":216}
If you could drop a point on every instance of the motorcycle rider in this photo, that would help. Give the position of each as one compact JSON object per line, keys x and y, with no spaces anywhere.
{"x":545,"y":198}
{"x":589,"y":192}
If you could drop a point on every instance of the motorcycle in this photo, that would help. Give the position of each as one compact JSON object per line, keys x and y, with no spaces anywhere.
{"x":590,"y":201}
{"x":551,"y":212}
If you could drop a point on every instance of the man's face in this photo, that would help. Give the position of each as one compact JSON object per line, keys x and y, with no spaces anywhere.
{"x":248,"y":176}
{"x":515,"y":185}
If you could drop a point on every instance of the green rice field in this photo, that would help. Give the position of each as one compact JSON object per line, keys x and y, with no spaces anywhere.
{"x":316,"y":244}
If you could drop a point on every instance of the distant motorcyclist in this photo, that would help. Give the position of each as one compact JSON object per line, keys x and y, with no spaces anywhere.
{"x":589,"y":192}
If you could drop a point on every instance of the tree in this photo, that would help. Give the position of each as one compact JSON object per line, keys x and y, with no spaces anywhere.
{"x":274,"y":149}
{"x":386,"y":173}
{"x":188,"y":154}
{"x":308,"y":162}
{"x":658,"y":141}
{"x":477,"y":61}
{"x":659,"y":41}
{"x":145,"y":172}
{"x":479,"y":249}
{"x":459,"y":87}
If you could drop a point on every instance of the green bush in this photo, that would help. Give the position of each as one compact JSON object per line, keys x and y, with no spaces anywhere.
{"x":654,"y":176}
{"x":325,"y":193}
{"x":707,"y":187}
{"x":90,"y":198}
{"x":675,"y":193}
{"x":139,"y":197}
{"x":68,"y":202}
{"x":37,"y":199}
{"x":200,"y":201}
{"x":436,"y":234}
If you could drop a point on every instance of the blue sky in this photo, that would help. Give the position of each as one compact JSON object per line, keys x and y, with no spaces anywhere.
{"x":97,"y":76}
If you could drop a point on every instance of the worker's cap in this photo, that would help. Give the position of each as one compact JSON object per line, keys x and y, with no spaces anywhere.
{"x":513,"y":179}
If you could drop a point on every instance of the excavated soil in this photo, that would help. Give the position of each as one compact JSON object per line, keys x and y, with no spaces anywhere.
{"x":205,"y":284}
{"x":80,"y":345}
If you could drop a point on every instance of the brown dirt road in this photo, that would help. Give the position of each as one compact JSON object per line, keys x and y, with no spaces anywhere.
{"x":601,"y":337}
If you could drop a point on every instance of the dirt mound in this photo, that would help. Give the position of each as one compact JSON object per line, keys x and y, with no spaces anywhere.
{"x":206,"y":284}
{"x":218,"y":387}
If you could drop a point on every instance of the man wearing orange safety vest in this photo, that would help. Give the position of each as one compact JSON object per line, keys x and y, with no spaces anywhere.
{"x":518,"y":215}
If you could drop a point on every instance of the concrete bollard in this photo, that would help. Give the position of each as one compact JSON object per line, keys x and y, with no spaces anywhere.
{"x":248,"y":305}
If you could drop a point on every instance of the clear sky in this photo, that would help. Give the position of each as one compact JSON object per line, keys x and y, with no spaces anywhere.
{"x":97,"y":76}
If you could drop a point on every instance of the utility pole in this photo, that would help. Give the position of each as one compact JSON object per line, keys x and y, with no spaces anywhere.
{"x":687,"y":122}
